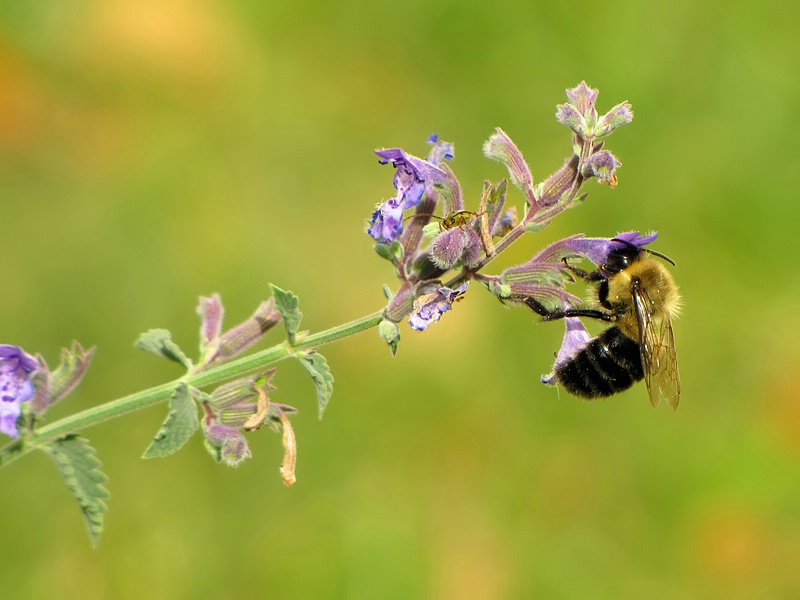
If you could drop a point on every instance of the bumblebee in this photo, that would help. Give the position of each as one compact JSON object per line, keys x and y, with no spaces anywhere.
{"x":637,"y":294}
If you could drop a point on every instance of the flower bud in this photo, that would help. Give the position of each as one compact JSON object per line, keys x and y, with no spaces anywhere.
{"x":227,"y":444}
{"x":389,"y":332}
{"x":499,"y":147}
{"x":235,"y":341}
{"x":603,"y":165}
{"x":459,"y":243}
{"x":211,"y":313}
{"x":619,"y":115}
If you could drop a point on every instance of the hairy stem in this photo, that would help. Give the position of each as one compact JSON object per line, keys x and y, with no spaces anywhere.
{"x":215,"y":375}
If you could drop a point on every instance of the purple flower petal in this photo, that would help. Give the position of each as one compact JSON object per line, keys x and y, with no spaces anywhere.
{"x":412,"y":178}
{"x":576,"y":337}
{"x":387,"y":222}
{"x":440,"y":151}
{"x":9,"y":415}
{"x":429,"y":307}
{"x":17,"y":368}
{"x":14,"y":357}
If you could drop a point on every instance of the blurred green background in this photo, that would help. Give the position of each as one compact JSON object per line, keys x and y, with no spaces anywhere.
{"x":151,"y":153}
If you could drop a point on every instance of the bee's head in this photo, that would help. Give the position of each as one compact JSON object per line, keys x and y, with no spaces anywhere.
{"x":621,"y":258}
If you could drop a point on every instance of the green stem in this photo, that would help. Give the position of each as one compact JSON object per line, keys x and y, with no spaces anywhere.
{"x":229,"y":370}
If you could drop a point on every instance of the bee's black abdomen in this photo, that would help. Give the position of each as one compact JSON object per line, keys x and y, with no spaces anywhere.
{"x":611,"y":363}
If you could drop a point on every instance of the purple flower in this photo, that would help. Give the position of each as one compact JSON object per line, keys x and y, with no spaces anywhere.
{"x":433,"y":303}
{"x":576,"y":337}
{"x":411,"y":178}
{"x":387,"y":222}
{"x":440,"y":151}
{"x":595,"y":249}
{"x":16,"y":371}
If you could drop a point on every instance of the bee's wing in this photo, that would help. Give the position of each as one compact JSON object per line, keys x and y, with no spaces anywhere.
{"x":657,"y":345}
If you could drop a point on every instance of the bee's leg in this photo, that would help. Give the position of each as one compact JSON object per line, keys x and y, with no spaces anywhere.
{"x":552,"y":315}
{"x":585,"y":275}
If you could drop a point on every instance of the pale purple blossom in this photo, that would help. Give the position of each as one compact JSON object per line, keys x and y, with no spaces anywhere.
{"x":412,"y":177}
{"x":16,"y":373}
{"x":433,"y":303}
{"x":441,"y":150}
{"x":576,"y":338}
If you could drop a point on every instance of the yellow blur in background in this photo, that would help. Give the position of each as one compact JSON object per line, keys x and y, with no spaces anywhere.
{"x":153,"y":152}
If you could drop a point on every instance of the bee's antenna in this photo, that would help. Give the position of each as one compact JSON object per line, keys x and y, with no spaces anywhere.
{"x":653,"y":252}
{"x":659,"y":255}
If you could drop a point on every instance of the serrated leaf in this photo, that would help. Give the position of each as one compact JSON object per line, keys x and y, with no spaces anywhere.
{"x":288,"y":305}
{"x":317,"y":366}
{"x":179,"y":426}
{"x":80,"y":467}
{"x":159,"y":342}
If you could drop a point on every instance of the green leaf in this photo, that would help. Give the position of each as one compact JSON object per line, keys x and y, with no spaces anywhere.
{"x":288,"y":305}
{"x":179,"y":426}
{"x":384,"y":252}
{"x":159,"y":341}
{"x":317,"y":366}
{"x":79,"y":465}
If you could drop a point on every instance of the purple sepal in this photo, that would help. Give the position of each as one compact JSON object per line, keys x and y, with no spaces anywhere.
{"x":459,"y":243}
{"x":583,"y":98}
{"x":211,"y":313}
{"x":499,"y":147}
{"x":66,"y":377}
{"x":433,"y":303}
{"x":228,"y":444}
{"x":603,"y":165}
{"x":619,"y":115}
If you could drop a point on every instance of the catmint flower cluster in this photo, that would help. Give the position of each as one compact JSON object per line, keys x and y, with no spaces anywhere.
{"x":441,"y":235}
